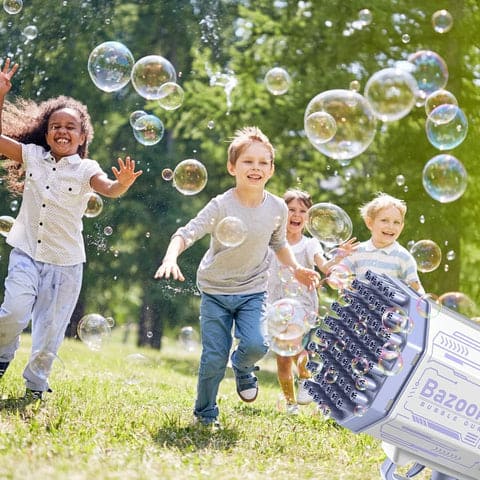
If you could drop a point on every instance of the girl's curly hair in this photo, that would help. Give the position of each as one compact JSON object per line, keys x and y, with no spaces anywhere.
{"x":27,"y":122}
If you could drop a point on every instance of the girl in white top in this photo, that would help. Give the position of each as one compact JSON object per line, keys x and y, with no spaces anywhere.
{"x":308,"y":253}
{"x":48,"y":143}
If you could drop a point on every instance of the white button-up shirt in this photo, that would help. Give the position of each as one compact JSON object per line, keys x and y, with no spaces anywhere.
{"x":49,"y":224}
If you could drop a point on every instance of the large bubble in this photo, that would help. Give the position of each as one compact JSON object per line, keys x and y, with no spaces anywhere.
{"x":93,"y":330}
{"x":391,"y":93}
{"x":444,"y":178}
{"x":190,"y":176}
{"x":277,"y":81}
{"x":427,"y":255}
{"x":6,"y":224}
{"x":354,"y":119}
{"x":150,"y":73}
{"x":446,"y":127}
{"x":171,"y":96}
{"x":189,"y":338}
{"x":12,"y":6}
{"x":148,"y":130}
{"x":459,"y":302}
{"x":329,"y":223}
{"x":110,"y":66}
{"x":231,"y":231}
{"x":430,"y":71}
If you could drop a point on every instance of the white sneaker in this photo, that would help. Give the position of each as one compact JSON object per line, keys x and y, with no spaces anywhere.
{"x":303,"y":395}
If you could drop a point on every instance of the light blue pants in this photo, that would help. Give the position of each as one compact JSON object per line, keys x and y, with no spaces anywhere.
{"x":218,"y":314}
{"x":46,"y":294}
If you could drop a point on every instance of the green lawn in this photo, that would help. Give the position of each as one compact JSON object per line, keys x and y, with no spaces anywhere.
{"x":124,"y":412}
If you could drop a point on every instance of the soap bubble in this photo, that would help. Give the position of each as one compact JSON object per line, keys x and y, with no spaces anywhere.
{"x":444,"y":178}
{"x":171,"y":96}
{"x":167,"y":174}
{"x":41,"y":363}
{"x":329,"y":223}
{"x":390,"y":367}
{"x":440,"y":97}
{"x":391,"y":93}
{"x":427,"y":255}
{"x":110,"y":66}
{"x":339,"y":277}
{"x":277,"y":81}
{"x":396,"y":320}
{"x":365,"y":16}
{"x":231,"y":232}
{"x":150,"y":73}
{"x":400,"y":180}
{"x":446,"y":127}
{"x":283,"y":313}
{"x":134,"y":116}
{"x":148,"y":130}
{"x":190,"y":177}
{"x":360,"y":365}
{"x":108,"y":230}
{"x":288,"y":344}
{"x":189,"y":338}
{"x":93,"y":330}
{"x":6,"y":224}
{"x":330,"y":375}
{"x":12,"y":6}
{"x":354,"y":85}
{"x":442,"y":21}
{"x":430,"y":70}
{"x":320,"y":127}
{"x":94,"y":205}
{"x":30,"y":32}
{"x":459,"y":302}
{"x":354,"y":118}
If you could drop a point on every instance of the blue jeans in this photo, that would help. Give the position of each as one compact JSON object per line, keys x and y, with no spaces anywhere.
{"x":218,"y":314}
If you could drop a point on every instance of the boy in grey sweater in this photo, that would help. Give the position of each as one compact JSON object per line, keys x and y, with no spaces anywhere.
{"x":233,"y":278}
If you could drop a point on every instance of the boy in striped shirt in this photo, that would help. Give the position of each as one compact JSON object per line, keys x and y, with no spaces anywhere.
{"x":384,"y":216}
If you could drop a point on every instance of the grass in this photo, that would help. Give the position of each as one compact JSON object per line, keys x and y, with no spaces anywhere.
{"x":124,"y":412}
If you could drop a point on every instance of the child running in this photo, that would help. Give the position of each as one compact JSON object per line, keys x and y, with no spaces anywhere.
{"x":233,"y":279}
{"x":49,"y":143}
{"x":309,"y":253}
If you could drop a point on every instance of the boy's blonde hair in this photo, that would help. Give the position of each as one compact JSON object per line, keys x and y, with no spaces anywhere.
{"x":382,"y":200}
{"x":244,"y":138}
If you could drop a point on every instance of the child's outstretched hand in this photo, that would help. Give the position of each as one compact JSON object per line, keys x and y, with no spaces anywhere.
{"x":347,"y":248}
{"x":169,"y":268}
{"x":308,"y":277}
{"x":6,"y":75}
{"x":126,"y":174}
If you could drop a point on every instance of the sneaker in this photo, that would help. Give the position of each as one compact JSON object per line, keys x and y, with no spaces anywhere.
{"x":34,"y":395}
{"x":291,"y":409}
{"x":208,"y":424}
{"x":247,"y":385}
{"x":303,"y":394}
{"x":3,"y":368}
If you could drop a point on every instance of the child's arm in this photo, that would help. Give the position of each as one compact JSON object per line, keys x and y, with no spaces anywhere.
{"x":307,"y":276}
{"x":8,"y":147}
{"x":342,"y":251}
{"x":417,"y":286}
{"x":169,"y":264}
{"x":125,"y":176}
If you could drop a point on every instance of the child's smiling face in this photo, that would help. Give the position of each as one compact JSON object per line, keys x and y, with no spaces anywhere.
{"x":386,"y":226}
{"x":297,"y":216}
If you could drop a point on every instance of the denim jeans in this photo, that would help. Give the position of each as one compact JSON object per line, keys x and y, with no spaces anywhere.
{"x":218,"y":315}
{"x":46,"y":294}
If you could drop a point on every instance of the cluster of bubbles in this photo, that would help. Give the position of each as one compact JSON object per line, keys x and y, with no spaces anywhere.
{"x":287,"y":322}
{"x":111,"y":67}
{"x":6,"y":224}
{"x":329,"y":223}
{"x":94,"y":330}
{"x":147,"y":129}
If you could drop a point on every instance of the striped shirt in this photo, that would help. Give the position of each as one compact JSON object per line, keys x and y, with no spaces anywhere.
{"x":394,"y":260}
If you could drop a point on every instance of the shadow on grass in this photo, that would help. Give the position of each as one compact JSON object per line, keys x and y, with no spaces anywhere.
{"x":191,"y":438}
{"x":23,"y":406}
